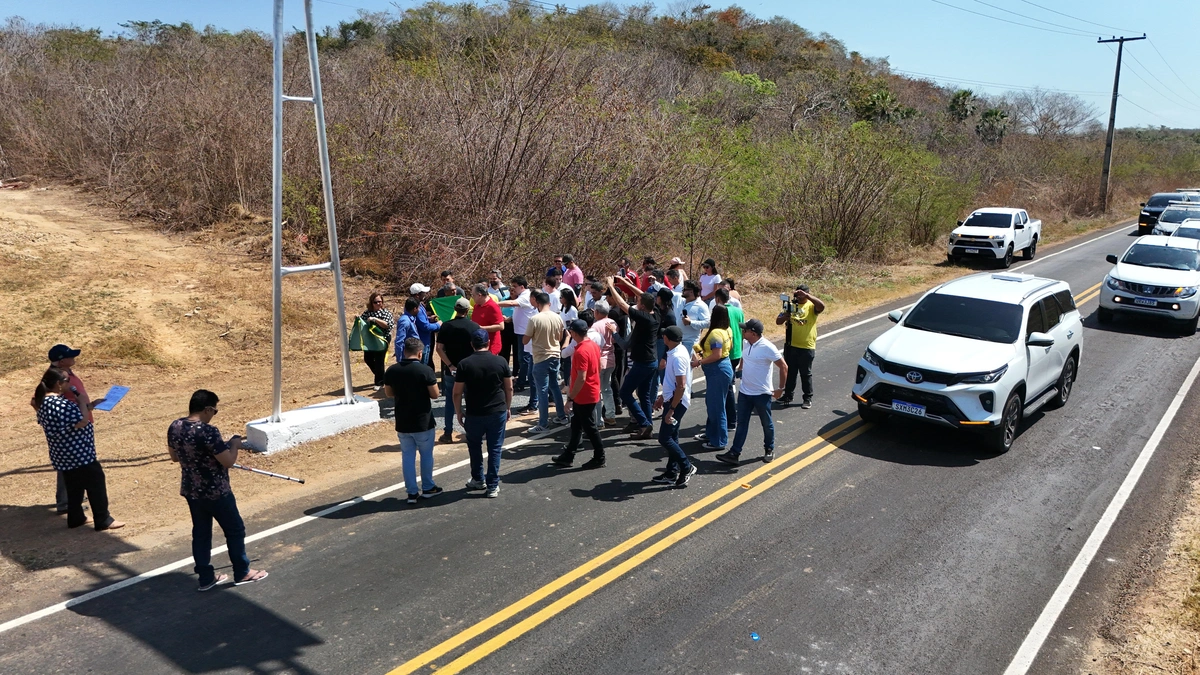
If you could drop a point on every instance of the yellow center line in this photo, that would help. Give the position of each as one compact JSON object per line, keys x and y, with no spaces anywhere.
{"x":620,"y":570}
{"x":436,"y":652}
{"x":1090,"y":296}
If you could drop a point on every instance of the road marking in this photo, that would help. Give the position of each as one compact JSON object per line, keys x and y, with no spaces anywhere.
{"x":774,"y":475}
{"x":125,"y":583}
{"x":1029,"y":649}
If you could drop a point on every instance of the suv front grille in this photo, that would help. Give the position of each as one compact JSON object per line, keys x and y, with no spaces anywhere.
{"x":935,"y":404}
{"x":967,"y":240}
{"x":932,"y":376}
{"x":1147,"y":290}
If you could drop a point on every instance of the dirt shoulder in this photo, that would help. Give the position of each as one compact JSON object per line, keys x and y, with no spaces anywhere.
{"x":166,"y":314}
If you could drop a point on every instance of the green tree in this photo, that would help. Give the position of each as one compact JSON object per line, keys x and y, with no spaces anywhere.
{"x":992,"y":126}
{"x":963,"y":105}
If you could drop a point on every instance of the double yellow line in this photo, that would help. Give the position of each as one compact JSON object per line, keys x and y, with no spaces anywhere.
{"x":771,"y":475}
{"x":746,"y":489}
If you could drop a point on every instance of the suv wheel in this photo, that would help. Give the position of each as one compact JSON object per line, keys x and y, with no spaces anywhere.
{"x":871,"y":415}
{"x":1007,"y":261}
{"x":1066,"y":380}
{"x":1143,"y":230}
{"x":1000,"y":438}
{"x":1104,"y":315}
{"x":1031,"y":250}
{"x":951,"y":258}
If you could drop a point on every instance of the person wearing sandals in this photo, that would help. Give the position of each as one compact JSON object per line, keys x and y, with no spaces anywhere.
{"x":382,"y":317}
{"x":204,"y":460}
{"x":73,"y":450}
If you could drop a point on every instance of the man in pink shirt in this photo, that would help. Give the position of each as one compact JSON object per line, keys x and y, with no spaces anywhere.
{"x":62,"y":356}
{"x":572,"y":275}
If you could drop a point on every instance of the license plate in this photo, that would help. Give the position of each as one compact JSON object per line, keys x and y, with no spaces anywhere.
{"x":971,"y":250}
{"x":908,"y":408}
{"x":1145,"y":301}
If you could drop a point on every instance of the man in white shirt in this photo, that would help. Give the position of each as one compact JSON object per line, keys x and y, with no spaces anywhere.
{"x":694,"y":315}
{"x":522,"y":312}
{"x":553,"y":286}
{"x":757,"y":392}
{"x":674,"y":400}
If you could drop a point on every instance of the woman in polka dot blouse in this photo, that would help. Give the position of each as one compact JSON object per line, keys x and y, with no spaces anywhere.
{"x":73,"y":451}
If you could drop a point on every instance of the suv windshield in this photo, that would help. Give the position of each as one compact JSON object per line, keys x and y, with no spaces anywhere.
{"x":1162,"y":200}
{"x":1163,"y":257}
{"x":967,"y":317}
{"x":1178,"y":214}
{"x":988,"y":220}
{"x":1187,"y":233}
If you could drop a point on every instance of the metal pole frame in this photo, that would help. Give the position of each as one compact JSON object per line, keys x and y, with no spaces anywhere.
{"x":334,"y":265}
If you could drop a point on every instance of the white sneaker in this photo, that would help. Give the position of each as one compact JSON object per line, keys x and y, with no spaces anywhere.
{"x":701,"y":436}
{"x":538,"y":429}
{"x":493,"y":492}
{"x":476,"y":485}
{"x":560,"y":421}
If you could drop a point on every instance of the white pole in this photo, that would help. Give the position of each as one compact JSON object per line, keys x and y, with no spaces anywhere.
{"x":277,"y":215}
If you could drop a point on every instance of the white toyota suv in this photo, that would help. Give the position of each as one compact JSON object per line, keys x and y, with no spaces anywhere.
{"x":978,"y":353}
{"x":1157,"y":276}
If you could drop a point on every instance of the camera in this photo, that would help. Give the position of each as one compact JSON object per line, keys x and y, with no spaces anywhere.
{"x":787,"y":302}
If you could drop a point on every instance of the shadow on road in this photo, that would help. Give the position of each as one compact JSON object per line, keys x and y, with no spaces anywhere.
{"x":202,"y":632}
{"x":37,"y":539}
{"x":1142,"y":326}
{"x":913,"y":443}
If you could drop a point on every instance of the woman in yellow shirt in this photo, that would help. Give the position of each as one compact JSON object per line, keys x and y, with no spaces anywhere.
{"x":711,"y":353}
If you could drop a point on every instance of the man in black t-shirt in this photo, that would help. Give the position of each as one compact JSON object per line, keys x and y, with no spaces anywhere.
{"x":484,"y":380}
{"x":414,"y":386}
{"x":454,"y":345}
{"x":643,"y":355}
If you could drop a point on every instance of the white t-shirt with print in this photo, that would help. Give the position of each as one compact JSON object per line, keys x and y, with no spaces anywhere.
{"x":679,"y":362}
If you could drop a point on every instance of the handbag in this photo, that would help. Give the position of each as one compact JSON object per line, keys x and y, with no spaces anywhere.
{"x":365,"y":337}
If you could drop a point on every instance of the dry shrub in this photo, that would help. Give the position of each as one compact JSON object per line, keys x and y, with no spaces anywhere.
{"x":126,"y":348}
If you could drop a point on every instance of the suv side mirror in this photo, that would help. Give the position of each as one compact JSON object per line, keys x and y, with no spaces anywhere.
{"x":1020,"y":226}
{"x":1111,"y":258}
{"x":1039,"y":340}
{"x":895,"y":315}
{"x":1143,"y":205}
{"x":960,"y":223}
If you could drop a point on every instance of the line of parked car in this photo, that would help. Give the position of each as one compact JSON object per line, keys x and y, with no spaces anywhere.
{"x":983,"y":352}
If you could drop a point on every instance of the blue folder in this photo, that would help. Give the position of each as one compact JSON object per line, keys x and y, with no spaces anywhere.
{"x":113,"y":397}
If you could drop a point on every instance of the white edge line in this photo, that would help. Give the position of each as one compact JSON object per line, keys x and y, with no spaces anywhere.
{"x":1029,"y":649}
{"x":170,"y":567}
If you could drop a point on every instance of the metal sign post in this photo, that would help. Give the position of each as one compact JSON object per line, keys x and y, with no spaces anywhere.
{"x":334,"y":265}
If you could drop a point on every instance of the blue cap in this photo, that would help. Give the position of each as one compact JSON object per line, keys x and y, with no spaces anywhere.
{"x":480,"y":339}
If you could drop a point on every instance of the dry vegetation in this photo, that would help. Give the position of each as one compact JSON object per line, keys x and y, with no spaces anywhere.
{"x":474,"y":136}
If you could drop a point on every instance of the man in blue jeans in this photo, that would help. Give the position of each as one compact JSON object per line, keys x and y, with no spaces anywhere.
{"x":414,"y":387}
{"x":674,"y":400}
{"x":544,"y":335}
{"x":483,"y":396}
{"x":205,"y":460}
{"x":757,"y":392}
{"x":454,"y":345}
{"x":643,"y":355}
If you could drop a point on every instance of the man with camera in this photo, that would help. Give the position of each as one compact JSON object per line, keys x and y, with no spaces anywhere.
{"x":800,"y":348}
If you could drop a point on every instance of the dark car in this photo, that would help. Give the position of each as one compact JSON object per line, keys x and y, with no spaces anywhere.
{"x":1153,"y":207}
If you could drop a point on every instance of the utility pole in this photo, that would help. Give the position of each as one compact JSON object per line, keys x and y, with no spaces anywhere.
{"x":1112,"y":119}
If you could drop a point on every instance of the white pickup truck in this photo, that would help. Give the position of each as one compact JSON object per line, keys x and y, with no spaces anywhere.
{"x":995,"y":234}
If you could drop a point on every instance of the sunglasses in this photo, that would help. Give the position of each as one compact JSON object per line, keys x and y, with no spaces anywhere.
{"x":378,"y":302}
{"x":213,"y":409}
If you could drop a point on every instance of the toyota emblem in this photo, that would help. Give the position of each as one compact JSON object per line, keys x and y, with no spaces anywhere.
{"x":914,"y":376}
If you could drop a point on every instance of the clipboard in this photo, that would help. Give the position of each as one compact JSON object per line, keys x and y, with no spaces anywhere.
{"x":114,"y":395}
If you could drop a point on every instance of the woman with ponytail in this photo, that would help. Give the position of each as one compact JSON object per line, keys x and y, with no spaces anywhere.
{"x":72,"y":450}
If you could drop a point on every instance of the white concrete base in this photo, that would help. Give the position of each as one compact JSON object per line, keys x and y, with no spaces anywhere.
{"x":310,"y":423}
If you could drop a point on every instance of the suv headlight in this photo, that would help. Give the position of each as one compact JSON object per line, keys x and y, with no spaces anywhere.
{"x":1157,"y":230}
{"x":1185,"y":291}
{"x":1112,"y":282}
{"x":986,"y":378}
{"x":871,"y":358}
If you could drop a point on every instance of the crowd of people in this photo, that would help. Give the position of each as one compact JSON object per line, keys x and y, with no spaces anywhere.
{"x":588,"y":349}
{"x":597,"y":347}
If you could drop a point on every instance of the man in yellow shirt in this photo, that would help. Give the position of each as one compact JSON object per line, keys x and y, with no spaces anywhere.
{"x":800,"y":347}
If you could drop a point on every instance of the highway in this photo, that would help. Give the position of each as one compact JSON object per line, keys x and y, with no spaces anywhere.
{"x":893,"y":548}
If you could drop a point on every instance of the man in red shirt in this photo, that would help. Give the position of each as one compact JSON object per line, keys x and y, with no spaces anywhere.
{"x":488,"y":315}
{"x":583,"y":397}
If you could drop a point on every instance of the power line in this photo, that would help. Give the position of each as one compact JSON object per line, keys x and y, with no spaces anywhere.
{"x":1156,"y":78}
{"x":1164,"y":60}
{"x":1126,"y":99}
{"x":1054,"y":11}
{"x":1031,"y":18}
{"x":1015,"y":23}
{"x":1156,"y":91}
{"x":999,"y":84}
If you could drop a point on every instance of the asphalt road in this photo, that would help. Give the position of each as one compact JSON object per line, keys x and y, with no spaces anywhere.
{"x":898,"y":548}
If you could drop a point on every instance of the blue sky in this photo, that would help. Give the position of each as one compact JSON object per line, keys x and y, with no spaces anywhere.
{"x":1160,"y":84}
